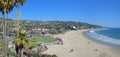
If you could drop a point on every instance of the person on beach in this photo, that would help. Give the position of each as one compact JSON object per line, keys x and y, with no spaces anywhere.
{"x":71,"y":50}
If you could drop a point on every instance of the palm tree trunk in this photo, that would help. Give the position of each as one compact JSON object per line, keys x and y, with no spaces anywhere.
{"x":21,"y":52}
{"x":4,"y":32}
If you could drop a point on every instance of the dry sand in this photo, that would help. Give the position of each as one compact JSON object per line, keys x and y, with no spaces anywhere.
{"x":77,"y":45}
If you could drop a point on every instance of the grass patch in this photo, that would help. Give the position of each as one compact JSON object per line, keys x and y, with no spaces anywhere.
{"x":34,"y":41}
{"x":47,"y":40}
{"x":33,"y":44}
{"x":42,"y":39}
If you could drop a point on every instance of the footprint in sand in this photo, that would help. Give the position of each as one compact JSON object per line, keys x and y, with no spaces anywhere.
{"x":104,"y":54}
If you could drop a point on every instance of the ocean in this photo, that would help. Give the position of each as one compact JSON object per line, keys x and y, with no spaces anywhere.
{"x":109,"y":36}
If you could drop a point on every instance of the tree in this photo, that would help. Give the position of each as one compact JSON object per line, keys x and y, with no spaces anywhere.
{"x":20,"y":42}
{"x":5,"y":7}
{"x":18,"y":3}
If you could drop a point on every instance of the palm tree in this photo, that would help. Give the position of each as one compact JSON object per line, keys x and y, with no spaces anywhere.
{"x":20,"y":42}
{"x":5,"y":7}
{"x":18,"y":3}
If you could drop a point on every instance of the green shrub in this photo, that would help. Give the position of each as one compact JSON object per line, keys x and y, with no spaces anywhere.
{"x":54,"y":55}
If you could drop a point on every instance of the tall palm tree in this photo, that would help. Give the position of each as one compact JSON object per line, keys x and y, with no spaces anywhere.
{"x":18,"y":3}
{"x":20,"y":42}
{"x":5,"y":7}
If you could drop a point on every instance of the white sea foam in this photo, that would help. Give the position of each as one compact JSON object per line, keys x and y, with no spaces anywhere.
{"x":92,"y":31}
{"x":103,"y":38}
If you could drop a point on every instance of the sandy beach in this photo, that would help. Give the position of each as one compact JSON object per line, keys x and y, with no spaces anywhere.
{"x":77,"y":45}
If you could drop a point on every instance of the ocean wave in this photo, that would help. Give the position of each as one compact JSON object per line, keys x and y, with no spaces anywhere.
{"x":102,"y":38}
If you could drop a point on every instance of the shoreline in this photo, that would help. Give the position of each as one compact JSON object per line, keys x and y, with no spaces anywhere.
{"x":99,"y":41}
{"x":81,"y":45}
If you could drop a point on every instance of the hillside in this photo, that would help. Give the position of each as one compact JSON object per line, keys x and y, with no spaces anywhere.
{"x":32,"y":24}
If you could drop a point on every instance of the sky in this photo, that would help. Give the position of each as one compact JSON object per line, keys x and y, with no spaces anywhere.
{"x":100,"y":12}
